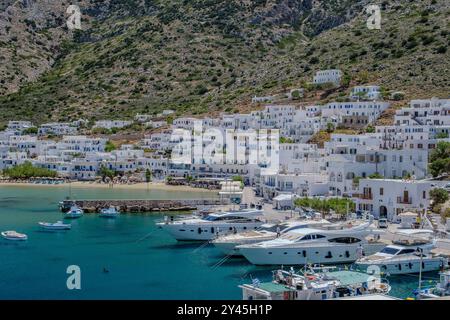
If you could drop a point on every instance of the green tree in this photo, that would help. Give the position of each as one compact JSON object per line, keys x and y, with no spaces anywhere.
{"x":109,"y":146}
{"x":30,"y":130}
{"x":330,"y":127}
{"x":148,"y":176}
{"x":442,"y":135}
{"x":338,"y":205}
{"x":439,"y":196}
{"x":104,"y":172}
{"x":439,"y":162}
{"x":27,"y":170}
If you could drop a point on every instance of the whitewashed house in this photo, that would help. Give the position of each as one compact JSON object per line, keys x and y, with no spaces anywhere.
{"x":432,"y":112}
{"x":328,"y":76}
{"x":11,"y":159}
{"x":355,"y":114}
{"x":388,"y":198}
{"x":57,"y":128}
{"x":82,"y":144}
{"x":110,"y":124}
{"x":19,"y":126}
{"x":256,"y":99}
{"x":366,"y":93}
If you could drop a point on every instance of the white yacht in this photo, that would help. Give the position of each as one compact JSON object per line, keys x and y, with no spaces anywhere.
{"x":269,"y":231}
{"x":13,"y":235}
{"x":73,"y":213}
{"x":110,"y":212}
{"x":59,"y":225}
{"x":324,"y":285}
{"x":213,"y":225}
{"x":325,"y":245}
{"x":412,"y":254}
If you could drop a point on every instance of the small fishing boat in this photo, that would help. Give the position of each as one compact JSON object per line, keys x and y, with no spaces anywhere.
{"x":315,"y":284}
{"x":59,"y":225}
{"x":442,"y":289}
{"x":13,"y":235}
{"x":73,"y":213}
{"x":110,"y":212}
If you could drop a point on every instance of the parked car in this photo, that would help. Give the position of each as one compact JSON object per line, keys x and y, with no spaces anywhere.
{"x":382,"y":223}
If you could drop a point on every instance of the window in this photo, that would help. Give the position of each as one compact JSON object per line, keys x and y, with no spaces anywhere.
{"x":406,"y":251}
{"x":389,"y":250}
{"x":345,"y":240}
{"x":381,"y":191}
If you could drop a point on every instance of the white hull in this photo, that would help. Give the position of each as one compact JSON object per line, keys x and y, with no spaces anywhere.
{"x":206,"y":231}
{"x":229,"y":247}
{"x":56,"y":228}
{"x":405,"y":267}
{"x":14,"y":238}
{"x":320,"y":254}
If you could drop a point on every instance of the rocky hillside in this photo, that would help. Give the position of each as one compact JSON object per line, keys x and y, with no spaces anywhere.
{"x":203,"y":56}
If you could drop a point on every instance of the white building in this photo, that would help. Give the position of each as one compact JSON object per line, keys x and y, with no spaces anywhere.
{"x":388,"y":198}
{"x":432,"y":112}
{"x":57,"y":128}
{"x":328,"y":76}
{"x":358,"y":114}
{"x":365,"y":93}
{"x":19,"y":125}
{"x":110,"y":124}
{"x":256,"y":99}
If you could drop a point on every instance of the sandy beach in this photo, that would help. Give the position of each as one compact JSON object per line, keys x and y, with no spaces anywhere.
{"x":136,"y":186}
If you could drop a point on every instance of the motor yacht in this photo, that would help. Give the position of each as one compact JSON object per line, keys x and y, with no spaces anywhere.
{"x":269,"y":231}
{"x":59,"y":225}
{"x":313,"y":285}
{"x":213,"y":225}
{"x":410,"y":252}
{"x":14,"y":236}
{"x":332,"y":244}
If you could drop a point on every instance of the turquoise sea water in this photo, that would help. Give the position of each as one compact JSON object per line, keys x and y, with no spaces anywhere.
{"x":143,"y":262}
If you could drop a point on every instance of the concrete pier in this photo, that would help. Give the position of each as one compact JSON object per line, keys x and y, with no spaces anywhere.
{"x":93,"y":206}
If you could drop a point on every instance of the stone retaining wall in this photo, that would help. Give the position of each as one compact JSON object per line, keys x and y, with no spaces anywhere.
{"x":92,"y":206}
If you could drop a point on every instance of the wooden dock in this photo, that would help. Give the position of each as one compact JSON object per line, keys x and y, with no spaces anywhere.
{"x":135,"y":206}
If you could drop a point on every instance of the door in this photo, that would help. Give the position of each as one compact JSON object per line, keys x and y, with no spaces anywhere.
{"x":383,"y":212}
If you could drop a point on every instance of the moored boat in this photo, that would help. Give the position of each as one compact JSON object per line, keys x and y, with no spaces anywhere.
{"x":59,"y":225}
{"x":410,"y":252}
{"x":314,"y":284}
{"x":268,"y":231}
{"x":13,"y":235}
{"x":320,"y":245}
{"x":213,"y":225}
{"x":110,"y":212}
{"x":73,"y":213}
{"x":442,"y":289}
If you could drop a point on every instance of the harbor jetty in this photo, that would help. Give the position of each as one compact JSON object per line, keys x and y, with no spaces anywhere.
{"x":135,"y":206}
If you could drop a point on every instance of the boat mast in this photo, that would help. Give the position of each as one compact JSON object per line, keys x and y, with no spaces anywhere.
{"x":420,"y":250}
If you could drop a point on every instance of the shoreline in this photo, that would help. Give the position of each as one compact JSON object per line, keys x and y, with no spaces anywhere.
{"x":137,"y":186}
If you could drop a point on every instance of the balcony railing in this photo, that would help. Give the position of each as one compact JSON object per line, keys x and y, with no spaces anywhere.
{"x":404,"y":200}
{"x":366,"y":196}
